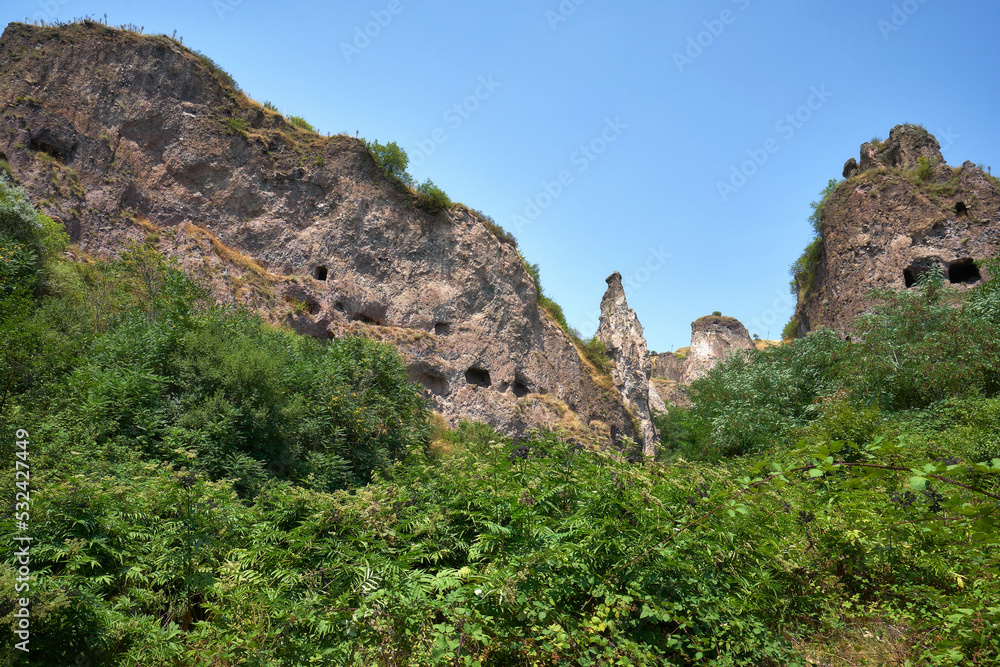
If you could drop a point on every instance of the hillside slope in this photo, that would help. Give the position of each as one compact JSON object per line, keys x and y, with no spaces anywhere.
{"x":128,"y":137}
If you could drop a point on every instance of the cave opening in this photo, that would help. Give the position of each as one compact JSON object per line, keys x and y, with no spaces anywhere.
{"x":964,"y":271}
{"x":320,"y":273}
{"x":442,"y":328}
{"x":909,"y":278}
{"x":479,"y":377}
{"x":961,"y":210}
{"x":520,"y":389}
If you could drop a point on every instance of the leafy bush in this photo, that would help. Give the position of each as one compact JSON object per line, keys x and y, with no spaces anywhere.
{"x":816,"y":217}
{"x":924,"y":169}
{"x":27,"y":239}
{"x":916,"y":348}
{"x":301,"y":123}
{"x":237,"y":127}
{"x":544,"y":302}
{"x":432,"y":197}
{"x":679,"y":433}
{"x":218,"y":391}
{"x":499,"y":232}
{"x":791,"y":329}
{"x":754,"y":401}
{"x":223,"y":77}
{"x":392,"y":159}
{"x":596,"y":353}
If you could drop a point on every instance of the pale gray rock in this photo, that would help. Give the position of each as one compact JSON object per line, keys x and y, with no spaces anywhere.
{"x":621,"y":333}
{"x":713,"y":339}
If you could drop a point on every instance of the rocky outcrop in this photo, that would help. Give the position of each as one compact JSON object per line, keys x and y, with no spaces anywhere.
{"x":621,"y":334}
{"x":903,"y":211}
{"x":667,"y":366}
{"x":713,"y":339}
{"x":128,"y":137}
{"x":902,"y":150}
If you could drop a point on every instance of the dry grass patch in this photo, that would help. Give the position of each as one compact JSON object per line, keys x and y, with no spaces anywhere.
{"x":861,"y":643}
{"x":257,"y":274}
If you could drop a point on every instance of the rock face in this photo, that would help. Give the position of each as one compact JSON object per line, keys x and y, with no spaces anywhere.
{"x":621,"y":334}
{"x":127,"y":137}
{"x":713,"y":338}
{"x":667,"y":366}
{"x":902,"y":150}
{"x":902,"y":212}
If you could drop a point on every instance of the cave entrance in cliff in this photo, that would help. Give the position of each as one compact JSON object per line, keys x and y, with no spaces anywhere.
{"x":961,"y":210}
{"x":478,"y":377}
{"x":520,"y":387}
{"x":964,"y":272}
{"x":320,"y":273}
{"x":909,"y":278}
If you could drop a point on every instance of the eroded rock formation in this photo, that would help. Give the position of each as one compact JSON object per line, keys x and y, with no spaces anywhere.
{"x":129,"y":137}
{"x":713,"y":339}
{"x":901,"y":211}
{"x":621,"y":333}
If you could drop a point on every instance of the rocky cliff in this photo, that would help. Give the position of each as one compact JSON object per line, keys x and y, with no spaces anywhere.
{"x":621,"y":333}
{"x":900,"y":210}
{"x":129,"y":137}
{"x":713,"y":339}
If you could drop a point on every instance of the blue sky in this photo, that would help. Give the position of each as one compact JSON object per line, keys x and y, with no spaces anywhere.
{"x":599,"y":133}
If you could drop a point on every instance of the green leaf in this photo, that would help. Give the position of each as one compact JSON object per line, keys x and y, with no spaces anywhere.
{"x":815,"y":472}
{"x":918,"y":483}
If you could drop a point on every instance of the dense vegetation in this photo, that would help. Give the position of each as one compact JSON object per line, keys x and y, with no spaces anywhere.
{"x":207,"y":489}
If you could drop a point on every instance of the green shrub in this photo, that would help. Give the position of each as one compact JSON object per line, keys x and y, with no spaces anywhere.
{"x":596,"y":353}
{"x":270,"y":106}
{"x":916,"y":348}
{"x":804,"y":269}
{"x":391,"y":158}
{"x":924,"y":169}
{"x":433,"y":198}
{"x":499,"y":232}
{"x":544,"y":302}
{"x":816,"y":217}
{"x":679,"y":433}
{"x":223,"y":77}
{"x":301,"y":123}
{"x":753,"y":402}
{"x":27,"y":239}
{"x":791,"y":330}
{"x":237,"y":127}
{"x":217,"y":390}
